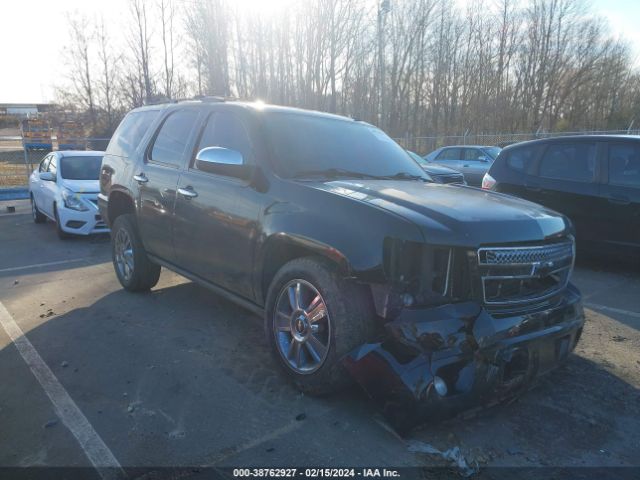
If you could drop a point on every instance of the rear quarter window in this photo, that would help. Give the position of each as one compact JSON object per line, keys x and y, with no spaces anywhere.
{"x":130,"y":132}
{"x":520,"y":159}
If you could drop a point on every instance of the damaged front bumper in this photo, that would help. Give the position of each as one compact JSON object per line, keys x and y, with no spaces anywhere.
{"x":442,"y":360}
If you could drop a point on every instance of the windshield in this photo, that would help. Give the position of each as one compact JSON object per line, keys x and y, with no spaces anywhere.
{"x":80,"y":168}
{"x":492,"y":151}
{"x":314,"y":146}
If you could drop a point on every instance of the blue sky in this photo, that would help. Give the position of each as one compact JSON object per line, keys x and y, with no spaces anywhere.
{"x":33,"y":34}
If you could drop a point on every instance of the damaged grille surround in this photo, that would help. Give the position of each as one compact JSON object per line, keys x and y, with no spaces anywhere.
{"x":524,"y":274}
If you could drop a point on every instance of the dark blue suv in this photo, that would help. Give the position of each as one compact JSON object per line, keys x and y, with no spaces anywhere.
{"x":592,"y":179}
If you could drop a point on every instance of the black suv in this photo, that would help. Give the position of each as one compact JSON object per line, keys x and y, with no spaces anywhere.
{"x":359,"y":264}
{"x":594,"y":180}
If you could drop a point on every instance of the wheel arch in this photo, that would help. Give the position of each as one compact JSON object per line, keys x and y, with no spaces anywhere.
{"x":120,"y":202}
{"x":281,"y":248}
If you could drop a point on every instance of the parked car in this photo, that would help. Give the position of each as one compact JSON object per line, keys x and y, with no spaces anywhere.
{"x":438,"y":173}
{"x":473,"y":161}
{"x":64,"y":188}
{"x":594,"y":180}
{"x":326,"y":227}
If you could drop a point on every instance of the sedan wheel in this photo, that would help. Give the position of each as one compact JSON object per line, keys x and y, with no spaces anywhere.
{"x":302,"y":327}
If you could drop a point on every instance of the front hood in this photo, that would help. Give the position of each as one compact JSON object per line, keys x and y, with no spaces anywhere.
{"x":435,"y":169}
{"x":81,"y":186}
{"x":455,"y":216}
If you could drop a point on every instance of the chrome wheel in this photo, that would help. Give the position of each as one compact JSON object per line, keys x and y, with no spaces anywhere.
{"x":34,"y":212}
{"x":302,"y":327}
{"x":124,"y":254}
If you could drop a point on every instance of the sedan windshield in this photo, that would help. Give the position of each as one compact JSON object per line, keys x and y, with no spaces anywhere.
{"x":307,"y":146}
{"x":80,"y":168}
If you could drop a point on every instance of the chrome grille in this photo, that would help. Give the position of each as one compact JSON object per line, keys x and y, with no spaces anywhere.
{"x":525,"y":255}
{"x":524,"y":274}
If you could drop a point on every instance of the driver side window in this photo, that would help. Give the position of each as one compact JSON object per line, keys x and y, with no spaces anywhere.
{"x":472,"y":154}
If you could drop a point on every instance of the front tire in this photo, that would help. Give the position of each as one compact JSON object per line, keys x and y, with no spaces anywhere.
{"x":38,"y":217}
{"x":313,"y":318}
{"x":135,"y":272}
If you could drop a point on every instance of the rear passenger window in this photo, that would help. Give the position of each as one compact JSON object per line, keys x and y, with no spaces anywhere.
{"x":171,"y":141}
{"x":520,"y":159}
{"x":130,"y":132}
{"x":449,"y":154}
{"x":575,"y":162}
{"x":226,"y":130}
{"x":624,"y":165}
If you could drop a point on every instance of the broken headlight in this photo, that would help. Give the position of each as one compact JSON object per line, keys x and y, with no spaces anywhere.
{"x":425,"y":274}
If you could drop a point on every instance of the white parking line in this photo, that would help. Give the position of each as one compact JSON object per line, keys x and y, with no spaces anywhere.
{"x":612,"y":309}
{"x":94,"y":448}
{"x":38,"y":265}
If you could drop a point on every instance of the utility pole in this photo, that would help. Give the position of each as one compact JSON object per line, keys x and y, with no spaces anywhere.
{"x":384,"y":7}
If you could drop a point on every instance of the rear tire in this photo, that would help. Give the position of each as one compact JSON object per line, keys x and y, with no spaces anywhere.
{"x":135,"y":272}
{"x":38,"y":217}
{"x":62,"y":235}
{"x":348,"y":322}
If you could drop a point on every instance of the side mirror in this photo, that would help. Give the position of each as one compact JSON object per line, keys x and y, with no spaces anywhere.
{"x":48,"y":176}
{"x":483,"y":158}
{"x":223,"y":161}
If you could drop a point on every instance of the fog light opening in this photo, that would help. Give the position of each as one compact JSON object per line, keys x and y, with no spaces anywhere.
{"x":440,"y":386}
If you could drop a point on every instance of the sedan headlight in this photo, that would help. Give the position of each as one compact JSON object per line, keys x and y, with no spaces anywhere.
{"x":73,"y":201}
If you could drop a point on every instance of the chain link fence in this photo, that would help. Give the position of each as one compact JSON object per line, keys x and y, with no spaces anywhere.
{"x":425,"y":145}
{"x":17,"y":162}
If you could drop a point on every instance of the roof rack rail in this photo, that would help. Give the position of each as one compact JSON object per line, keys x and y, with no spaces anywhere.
{"x":210,"y":98}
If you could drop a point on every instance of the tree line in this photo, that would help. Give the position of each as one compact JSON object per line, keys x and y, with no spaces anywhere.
{"x":412,"y":67}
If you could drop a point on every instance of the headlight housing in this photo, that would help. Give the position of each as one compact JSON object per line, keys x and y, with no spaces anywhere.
{"x":73,"y":201}
{"x":426,"y":274}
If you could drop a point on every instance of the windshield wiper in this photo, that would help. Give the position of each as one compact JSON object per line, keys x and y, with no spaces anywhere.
{"x":334,"y":173}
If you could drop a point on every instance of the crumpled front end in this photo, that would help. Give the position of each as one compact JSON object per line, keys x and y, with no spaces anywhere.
{"x":438,"y":361}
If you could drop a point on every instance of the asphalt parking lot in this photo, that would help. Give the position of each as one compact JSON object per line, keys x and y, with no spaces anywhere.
{"x":179,"y":376}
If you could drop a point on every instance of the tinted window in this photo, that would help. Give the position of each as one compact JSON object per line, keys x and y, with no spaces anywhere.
{"x":520,"y":159}
{"x":473,"y":154}
{"x":53,"y":165}
{"x":226,"y":130}
{"x":449,"y":154}
{"x":171,"y":141}
{"x":80,"y":168}
{"x":130,"y":132}
{"x":569,"y":162}
{"x":307,"y":144}
{"x":624,"y":165}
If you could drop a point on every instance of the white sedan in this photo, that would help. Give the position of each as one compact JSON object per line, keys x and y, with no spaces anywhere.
{"x":65,"y":188}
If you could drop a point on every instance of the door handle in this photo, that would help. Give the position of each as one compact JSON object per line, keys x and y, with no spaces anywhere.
{"x":466,"y":166}
{"x":619,"y":200}
{"x":187,"y":192}
{"x":141,"y":178}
